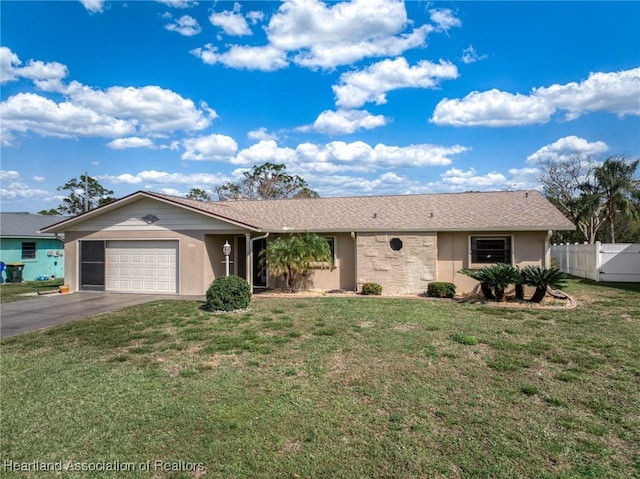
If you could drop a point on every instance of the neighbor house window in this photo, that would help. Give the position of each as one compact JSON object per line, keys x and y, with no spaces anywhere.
{"x":490,"y":250}
{"x":28,"y":251}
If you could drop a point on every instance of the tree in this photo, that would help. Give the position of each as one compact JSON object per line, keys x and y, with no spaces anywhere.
{"x":266,"y":182}
{"x":293,"y":257}
{"x":50,"y":212}
{"x":85,"y":194}
{"x":571,"y":187}
{"x":542,"y":279}
{"x":199,"y":195}
{"x":618,"y":188}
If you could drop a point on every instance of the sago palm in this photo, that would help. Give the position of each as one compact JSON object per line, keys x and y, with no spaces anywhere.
{"x":542,"y":278}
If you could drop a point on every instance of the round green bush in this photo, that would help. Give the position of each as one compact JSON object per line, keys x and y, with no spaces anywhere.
{"x":372,"y":288}
{"x":228,"y":294}
{"x":441,"y":289}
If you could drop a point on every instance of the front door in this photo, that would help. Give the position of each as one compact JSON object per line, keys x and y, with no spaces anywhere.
{"x":92,"y":265}
{"x":259,"y":269}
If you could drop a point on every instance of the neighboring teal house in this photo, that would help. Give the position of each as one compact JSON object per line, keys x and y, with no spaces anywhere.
{"x":20,"y":242}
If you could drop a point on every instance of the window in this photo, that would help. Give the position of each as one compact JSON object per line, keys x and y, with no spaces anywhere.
{"x":395,"y":244}
{"x":28,"y":251}
{"x":490,"y":250}
{"x":332,"y":246}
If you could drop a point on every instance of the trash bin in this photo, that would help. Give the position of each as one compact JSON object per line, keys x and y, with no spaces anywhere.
{"x":14,"y":272}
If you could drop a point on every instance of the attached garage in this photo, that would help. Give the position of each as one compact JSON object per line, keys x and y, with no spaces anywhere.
{"x":141,"y":266}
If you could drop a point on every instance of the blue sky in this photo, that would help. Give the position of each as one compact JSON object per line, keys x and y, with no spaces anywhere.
{"x":359,"y":98}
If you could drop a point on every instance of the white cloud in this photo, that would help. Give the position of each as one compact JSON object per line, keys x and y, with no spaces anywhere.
{"x":492,"y":108}
{"x":16,"y":190}
{"x":130,"y":142}
{"x":30,"y":112}
{"x":252,"y":58}
{"x":210,"y":148}
{"x":93,"y":6}
{"x":9,"y":175}
{"x":444,"y":19}
{"x":371,"y":84}
{"x":321,"y":35}
{"x":255,"y":16}
{"x":46,"y":76}
{"x":86,"y":111}
{"x":185,"y":25}
{"x":153,"y":108}
{"x":165,"y":178}
{"x":178,"y":3}
{"x":357,"y":156}
{"x":344,"y":122}
{"x":38,"y":179}
{"x":261,"y":134}
{"x":469,"y":55}
{"x":567,"y":148}
{"x":231,"y":22}
{"x":265,"y":150}
{"x":615,"y":92}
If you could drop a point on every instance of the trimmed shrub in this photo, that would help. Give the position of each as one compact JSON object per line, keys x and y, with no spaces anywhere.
{"x":441,"y":289}
{"x":228,"y":294}
{"x":372,"y":288}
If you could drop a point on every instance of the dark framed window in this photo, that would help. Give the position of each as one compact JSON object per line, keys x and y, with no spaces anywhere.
{"x":395,"y":244}
{"x":490,"y":250}
{"x":29,"y":250}
{"x":332,"y":246}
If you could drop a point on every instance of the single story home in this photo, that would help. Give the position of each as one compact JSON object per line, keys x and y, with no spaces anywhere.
{"x":155,"y":243}
{"x":20,"y":242}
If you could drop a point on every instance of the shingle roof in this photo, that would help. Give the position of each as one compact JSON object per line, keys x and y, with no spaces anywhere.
{"x":492,"y":211}
{"x":502,"y":210}
{"x":26,"y":225}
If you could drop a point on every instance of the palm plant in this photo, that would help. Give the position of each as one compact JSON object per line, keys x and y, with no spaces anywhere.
{"x":293,"y":256}
{"x":495,"y":279}
{"x":615,"y":179}
{"x":542,"y":278}
{"x":480,"y":276}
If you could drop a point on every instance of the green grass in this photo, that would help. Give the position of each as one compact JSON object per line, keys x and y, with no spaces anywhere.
{"x":333,"y":387}
{"x":16,"y":291}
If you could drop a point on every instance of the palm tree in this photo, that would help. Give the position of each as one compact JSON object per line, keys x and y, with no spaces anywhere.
{"x":615,"y":179}
{"x":294,"y":256}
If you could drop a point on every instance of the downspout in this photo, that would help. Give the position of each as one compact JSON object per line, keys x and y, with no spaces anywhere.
{"x":252,"y":258}
{"x":355,"y":261}
{"x":547,"y":249}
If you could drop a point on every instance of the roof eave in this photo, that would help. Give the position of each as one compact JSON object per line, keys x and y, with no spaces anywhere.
{"x":421,"y":229}
{"x":62,"y":225}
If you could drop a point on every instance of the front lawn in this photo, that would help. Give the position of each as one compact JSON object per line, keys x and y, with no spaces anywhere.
{"x":332,"y":387}
{"x":20,"y":291}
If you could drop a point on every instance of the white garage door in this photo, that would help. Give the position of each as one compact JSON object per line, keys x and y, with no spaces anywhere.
{"x":142,"y":266}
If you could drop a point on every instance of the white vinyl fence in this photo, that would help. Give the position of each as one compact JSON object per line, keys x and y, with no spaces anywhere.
{"x":618,"y":262}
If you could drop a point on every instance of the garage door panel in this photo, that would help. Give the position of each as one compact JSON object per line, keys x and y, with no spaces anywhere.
{"x":142,"y":266}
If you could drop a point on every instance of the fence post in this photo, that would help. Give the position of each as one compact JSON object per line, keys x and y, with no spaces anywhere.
{"x":598,"y":260}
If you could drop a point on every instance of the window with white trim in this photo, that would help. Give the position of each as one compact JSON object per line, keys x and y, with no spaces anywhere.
{"x":485,"y":250}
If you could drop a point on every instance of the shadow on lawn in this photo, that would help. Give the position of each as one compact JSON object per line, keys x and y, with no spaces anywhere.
{"x":607,"y":284}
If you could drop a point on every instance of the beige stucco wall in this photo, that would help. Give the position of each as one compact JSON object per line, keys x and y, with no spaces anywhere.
{"x":341,"y":276}
{"x":191,"y":255}
{"x":407,"y":271}
{"x":453,"y":254}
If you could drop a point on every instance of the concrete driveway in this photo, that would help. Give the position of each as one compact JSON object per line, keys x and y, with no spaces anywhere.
{"x":49,"y":310}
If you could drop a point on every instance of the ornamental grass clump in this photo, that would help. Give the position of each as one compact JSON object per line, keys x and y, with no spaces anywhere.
{"x":228,"y":294}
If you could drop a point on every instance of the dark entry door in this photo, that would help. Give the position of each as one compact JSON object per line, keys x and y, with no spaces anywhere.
{"x":259,"y":271}
{"x":92,"y":265}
